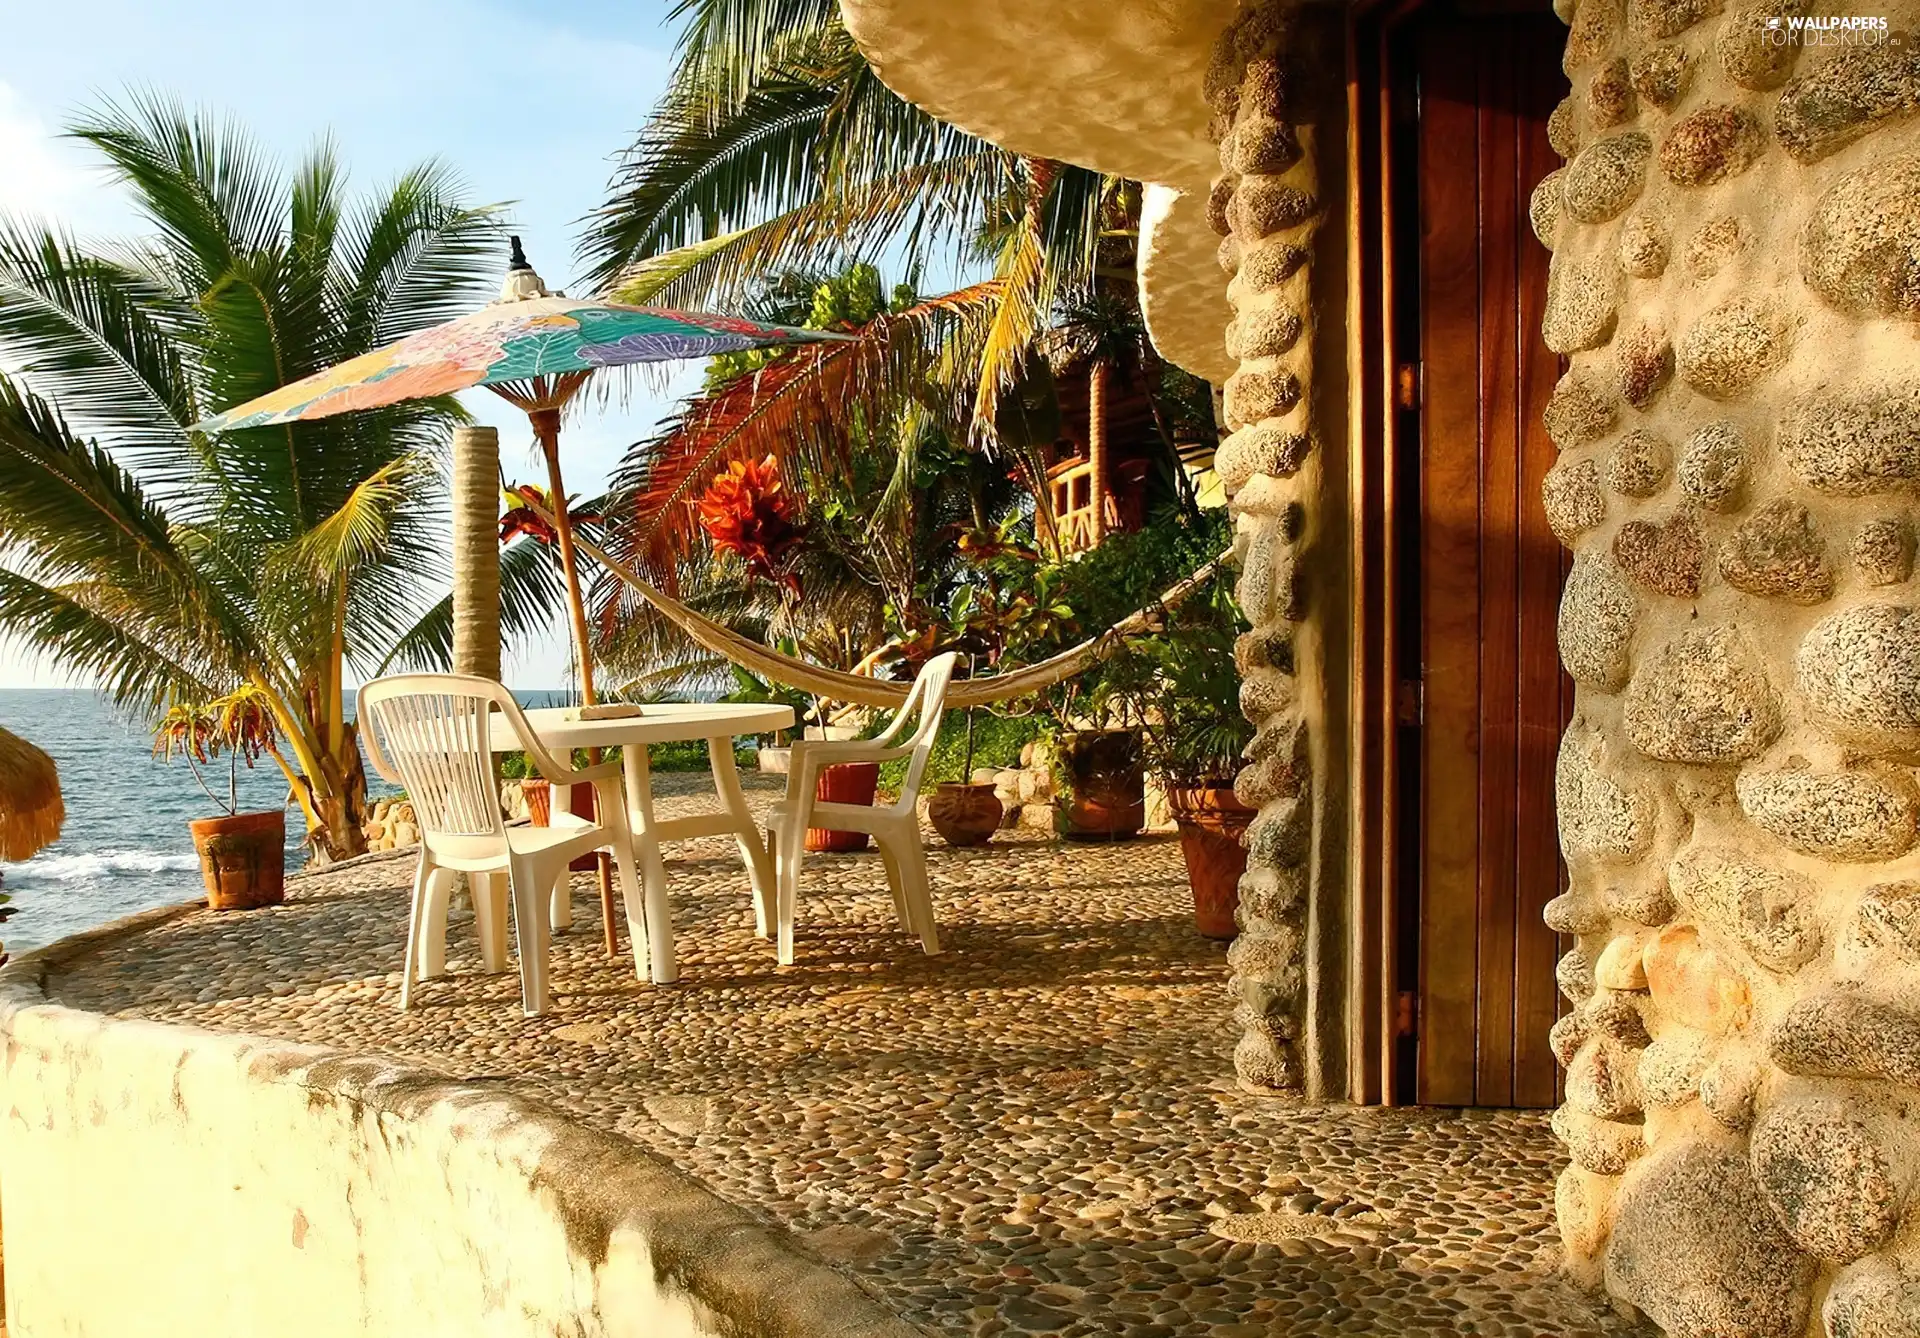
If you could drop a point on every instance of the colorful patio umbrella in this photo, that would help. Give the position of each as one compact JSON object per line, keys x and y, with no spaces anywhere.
{"x":533,"y":349}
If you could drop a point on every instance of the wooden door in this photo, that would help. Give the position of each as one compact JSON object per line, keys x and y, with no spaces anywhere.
{"x":1483,"y":700}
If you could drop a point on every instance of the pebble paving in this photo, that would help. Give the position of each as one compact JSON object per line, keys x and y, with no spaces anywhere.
{"x":1036,"y":1132}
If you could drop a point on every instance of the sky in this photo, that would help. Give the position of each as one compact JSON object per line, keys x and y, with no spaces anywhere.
{"x":528,"y":101}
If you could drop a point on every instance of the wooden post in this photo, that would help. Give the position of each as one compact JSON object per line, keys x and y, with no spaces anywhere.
{"x":476,"y":551}
{"x":1097,"y":450}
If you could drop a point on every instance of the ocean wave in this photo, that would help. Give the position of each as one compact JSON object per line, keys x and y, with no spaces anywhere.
{"x":95,"y":866}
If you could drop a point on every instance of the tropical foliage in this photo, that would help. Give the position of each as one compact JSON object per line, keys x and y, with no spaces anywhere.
{"x":174,"y":569}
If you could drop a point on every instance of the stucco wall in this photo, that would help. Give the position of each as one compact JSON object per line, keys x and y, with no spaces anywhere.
{"x":159,"y":1180}
{"x":1736,"y":276}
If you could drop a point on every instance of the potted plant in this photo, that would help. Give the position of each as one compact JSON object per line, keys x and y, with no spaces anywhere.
{"x":242,"y":855}
{"x":965,"y":812}
{"x":1194,"y":740}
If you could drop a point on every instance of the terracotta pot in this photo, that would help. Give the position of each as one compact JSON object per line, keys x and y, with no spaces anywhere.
{"x":1213,"y":827}
{"x":1107,"y":789}
{"x":844,"y":783}
{"x":243,"y":859}
{"x":965,"y":813}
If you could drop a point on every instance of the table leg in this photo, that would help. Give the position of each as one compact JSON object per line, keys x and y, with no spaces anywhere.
{"x":753,"y":850}
{"x":658,"y":930}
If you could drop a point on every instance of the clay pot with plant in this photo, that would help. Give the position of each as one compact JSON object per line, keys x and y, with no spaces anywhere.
{"x":1194,"y":740}
{"x":967,"y":812}
{"x":242,"y":855}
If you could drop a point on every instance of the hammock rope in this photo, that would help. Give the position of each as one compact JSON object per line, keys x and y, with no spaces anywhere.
{"x":838,"y":685}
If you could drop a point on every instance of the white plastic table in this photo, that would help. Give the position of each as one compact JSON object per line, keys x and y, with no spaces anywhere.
{"x":718,"y":723}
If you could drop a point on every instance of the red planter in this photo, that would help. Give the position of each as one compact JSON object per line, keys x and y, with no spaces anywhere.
{"x":1213,"y":827}
{"x":844,"y":783}
{"x":243,"y":859}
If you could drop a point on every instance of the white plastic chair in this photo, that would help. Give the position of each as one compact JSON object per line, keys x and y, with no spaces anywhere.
{"x":896,"y":828}
{"x":430,"y":734}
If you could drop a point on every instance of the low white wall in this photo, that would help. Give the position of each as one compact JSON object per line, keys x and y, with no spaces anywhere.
{"x":161,"y":1180}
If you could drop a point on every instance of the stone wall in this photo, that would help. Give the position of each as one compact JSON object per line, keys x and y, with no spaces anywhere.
{"x":1736,"y":277}
{"x":1274,"y":88}
{"x":164,"y":1180}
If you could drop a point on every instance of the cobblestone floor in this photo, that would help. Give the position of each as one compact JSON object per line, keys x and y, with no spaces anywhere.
{"x":1033,"y":1133}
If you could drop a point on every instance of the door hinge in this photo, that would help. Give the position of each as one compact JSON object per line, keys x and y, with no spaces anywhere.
{"x":1410,"y":702}
{"x":1406,"y":385}
{"x":1406,"y":1014}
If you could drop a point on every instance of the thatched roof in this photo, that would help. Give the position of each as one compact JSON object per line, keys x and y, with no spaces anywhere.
{"x":31,"y":809}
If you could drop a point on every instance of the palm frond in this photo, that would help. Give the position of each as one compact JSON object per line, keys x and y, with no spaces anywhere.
{"x":532,"y":598}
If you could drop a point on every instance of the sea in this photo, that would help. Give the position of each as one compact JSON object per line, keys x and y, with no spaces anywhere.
{"x":125,"y":846}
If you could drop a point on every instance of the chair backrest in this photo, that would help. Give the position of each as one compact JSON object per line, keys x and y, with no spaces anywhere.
{"x":429,"y":733}
{"x":930,"y":696}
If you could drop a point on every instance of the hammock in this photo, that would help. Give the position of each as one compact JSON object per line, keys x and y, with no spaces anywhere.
{"x":836,"y":685}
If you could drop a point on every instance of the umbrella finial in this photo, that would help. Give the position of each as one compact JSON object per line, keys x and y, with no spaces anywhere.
{"x":521,"y":282}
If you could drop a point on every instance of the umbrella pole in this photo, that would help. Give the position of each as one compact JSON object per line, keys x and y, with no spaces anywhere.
{"x":546,"y":426}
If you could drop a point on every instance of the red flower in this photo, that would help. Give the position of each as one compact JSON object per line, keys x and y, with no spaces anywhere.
{"x":747,"y":511}
{"x":523,"y":519}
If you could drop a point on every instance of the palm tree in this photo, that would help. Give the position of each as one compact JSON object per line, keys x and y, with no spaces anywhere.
{"x":173,"y":569}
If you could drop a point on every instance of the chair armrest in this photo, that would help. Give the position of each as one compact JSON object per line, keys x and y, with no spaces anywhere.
{"x":577,"y":776}
{"x":809,"y":756}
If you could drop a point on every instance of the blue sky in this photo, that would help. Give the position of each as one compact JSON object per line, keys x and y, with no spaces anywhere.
{"x":528,"y":101}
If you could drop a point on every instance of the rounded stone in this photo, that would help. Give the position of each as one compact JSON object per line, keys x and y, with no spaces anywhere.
{"x":1665,"y":558}
{"x":1772,"y":913}
{"x":1860,"y":673}
{"x":1697,"y":1247}
{"x":1583,"y":1209}
{"x":1580,"y":410}
{"x":1702,"y":698}
{"x":1263,"y":206}
{"x":1566,"y":1036}
{"x":1603,"y":1081}
{"x":1882,"y":551}
{"x":1254,"y":395}
{"x":1843,"y":1033}
{"x":1778,"y":553}
{"x":1841,"y":98}
{"x":1543,"y":206}
{"x":1260,"y":145}
{"x":1710,"y":145}
{"x":1218,"y":199}
{"x":1228,"y":255}
{"x":1263,"y":448}
{"x":1598,"y":816}
{"x":1865,"y":813}
{"x":1855,"y":446}
{"x":1596,"y":26}
{"x":1713,"y":466}
{"x":1639,"y":464}
{"x":1610,"y":94}
{"x":1582,"y":303}
{"x":1872,"y":1299}
{"x":1729,"y":1089}
{"x":1597,"y":614}
{"x":1693,"y":985}
{"x":1658,"y":19}
{"x":1661,"y":74}
{"x":1271,"y":264}
{"x":1671,"y":1069}
{"x":1569,"y":913}
{"x":1749,"y":51}
{"x":1605,"y":1147}
{"x":1643,"y":247}
{"x":1573,"y":973}
{"x":1642,"y":899}
{"x":1730,"y":347}
{"x":1263,"y":333}
{"x":1563,"y":133}
{"x":1713,"y":246}
{"x":1572,"y":497}
{"x":1642,"y":363}
{"x":1828,"y":1179}
{"x":1889,"y":915}
{"x":1606,"y":177}
{"x":1860,"y":250}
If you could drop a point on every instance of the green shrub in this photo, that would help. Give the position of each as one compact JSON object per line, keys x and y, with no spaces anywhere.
{"x":997,"y":741}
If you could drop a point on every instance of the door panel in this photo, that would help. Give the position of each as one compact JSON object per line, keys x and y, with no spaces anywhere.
{"x":1494,"y":700}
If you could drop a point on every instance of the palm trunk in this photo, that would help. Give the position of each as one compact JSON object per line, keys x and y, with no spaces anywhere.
{"x":341,"y":802}
{"x":476,"y":551}
{"x":1097,"y":450}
